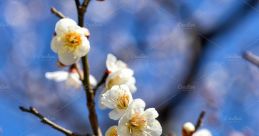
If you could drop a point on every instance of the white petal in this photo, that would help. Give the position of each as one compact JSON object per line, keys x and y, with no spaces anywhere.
{"x":113,"y":64}
{"x":86,"y":31}
{"x":64,"y":25}
{"x":111,"y":59}
{"x":137,"y":105}
{"x":131,"y":84}
{"x":57,"y":76}
{"x":67,"y":58}
{"x":116,"y":114}
{"x":151,"y":113}
{"x":93,"y":81}
{"x":106,"y":101}
{"x":84,"y":48}
{"x":122,"y":126}
{"x":120,"y":64}
{"x":154,"y":128}
{"x":73,"y":80}
{"x":126,"y":73}
{"x":202,"y":132}
{"x":101,"y":102}
{"x":55,"y":44}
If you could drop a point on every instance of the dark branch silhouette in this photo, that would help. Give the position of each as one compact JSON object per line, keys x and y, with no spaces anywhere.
{"x":48,"y":122}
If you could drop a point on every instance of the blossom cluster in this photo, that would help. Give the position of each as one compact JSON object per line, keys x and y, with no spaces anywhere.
{"x":134,"y":120}
{"x":71,"y":43}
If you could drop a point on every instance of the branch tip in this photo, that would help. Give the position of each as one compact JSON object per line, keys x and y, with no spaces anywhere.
{"x":56,"y":12}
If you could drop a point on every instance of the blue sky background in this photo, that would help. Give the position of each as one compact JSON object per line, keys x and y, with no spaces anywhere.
{"x":157,"y":39}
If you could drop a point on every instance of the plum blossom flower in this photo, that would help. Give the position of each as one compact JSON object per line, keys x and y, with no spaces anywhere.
{"x":123,"y":76}
{"x":70,"y":41}
{"x":117,"y":98}
{"x":112,"y":131}
{"x":71,"y":79}
{"x":139,"y":122}
{"x":119,"y":74}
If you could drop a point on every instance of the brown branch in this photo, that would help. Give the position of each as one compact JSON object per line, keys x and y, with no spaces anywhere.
{"x":102,"y":81}
{"x":89,"y":92}
{"x":48,"y":122}
{"x":199,"y":121}
{"x":77,"y":4}
{"x":57,"y":13}
{"x":252,"y":58}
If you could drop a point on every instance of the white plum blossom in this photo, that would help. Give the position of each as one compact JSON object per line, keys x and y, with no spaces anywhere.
{"x":71,"y":79}
{"x":113,"y":64}
{"x":118,"y":99}
{"x":119,"y":74}
{"x":112,"y":131}
{"x":139,"y":122}
{"x":120,"y":77}
{"x":70,"y":41}
{"x":202,"y":132}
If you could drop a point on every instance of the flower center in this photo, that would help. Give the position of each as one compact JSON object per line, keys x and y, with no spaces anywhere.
{"x":137,"y":124}
{"x":114,"y":81}
{"x":113,"y":131}
{"x":123,"y":102}
{"x":72,"y":41}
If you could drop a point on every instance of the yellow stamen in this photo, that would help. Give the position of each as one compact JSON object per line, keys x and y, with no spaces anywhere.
{"x":113,"y":81}
{"x":112,"y":131}
{"x":123,"y":102}
{"x":72,"y":41}
{"x":137,"y":124}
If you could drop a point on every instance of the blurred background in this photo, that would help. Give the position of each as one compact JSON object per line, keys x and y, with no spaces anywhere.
{"x":187,"y":57}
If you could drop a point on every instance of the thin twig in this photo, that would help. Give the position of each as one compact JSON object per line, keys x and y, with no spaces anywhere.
{"x":78,"y":5}
{"x":48,"y":122}
{"x":249,"y":56}
{"x":57,"y":13}
{"x":85,"y":4}
{"x":102,"y":81}
{"x":89,"y":92}
{"x":199,"y":121}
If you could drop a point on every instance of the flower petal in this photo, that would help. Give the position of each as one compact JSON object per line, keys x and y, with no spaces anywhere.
{"x":113,"y":64}
{"x":64,"y":25}
{"x":58,"y":76}
{"x":111,"y":59}
{"x":202,"y":132}
{"x":55,"y":44}
{"x":154,"y":128}
{"x":137,"y":105}
{"x":151,"y":113}
{"x":67,"y":58}
{"x":84,"y":48}
{"x":93,"y":81}
{"x":73,"y":80}
{"x":116,"y":114}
